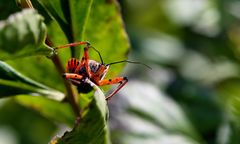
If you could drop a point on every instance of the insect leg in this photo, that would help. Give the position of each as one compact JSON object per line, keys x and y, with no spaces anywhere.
{"x":121,"y":80}
{"x":86,"y":60}
{"x":82,"y":62}
{"x":72,"y":44}
{"x":72,"y":76}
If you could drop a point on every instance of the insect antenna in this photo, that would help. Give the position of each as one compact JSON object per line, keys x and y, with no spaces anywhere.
{"x":98,"y":53}
{"x":127,"y":61}
{"x":79,"y":43}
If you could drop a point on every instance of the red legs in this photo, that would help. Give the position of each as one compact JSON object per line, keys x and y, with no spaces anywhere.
{"x":76,"y":77}
{"x":121,"y":80}
{"x":72,"y":44}
{"x":84,"y":62}
{"x":118,"y":88}
{"x":85,"y":58}
{"x":73,"y":77}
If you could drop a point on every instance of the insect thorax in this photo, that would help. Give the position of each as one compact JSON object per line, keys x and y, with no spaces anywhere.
{"x":94,"y":66}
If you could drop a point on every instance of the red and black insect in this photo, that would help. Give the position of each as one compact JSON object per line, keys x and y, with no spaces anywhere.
{"x":80,"y":72}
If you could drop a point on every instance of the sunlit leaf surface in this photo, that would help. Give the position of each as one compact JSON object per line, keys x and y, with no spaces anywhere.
{"x":14,"y":83}
{"x":23,"y":34}
{"x":71,"y":21}
{"x":56,"y":111}
{"x":92,"y":127}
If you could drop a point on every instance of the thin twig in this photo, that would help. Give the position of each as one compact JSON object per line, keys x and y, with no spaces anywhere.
{"x":71,"y":94}
{"x":70,"y":91}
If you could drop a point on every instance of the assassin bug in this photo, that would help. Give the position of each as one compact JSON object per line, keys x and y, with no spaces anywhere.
{"x":87,"y":73}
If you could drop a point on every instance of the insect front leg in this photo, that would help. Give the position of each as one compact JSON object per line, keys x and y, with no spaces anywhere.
{"x":73,"y":44}
{"x":121,"y":80}
{"x":86,"y":60}
{"x":72,"y":77}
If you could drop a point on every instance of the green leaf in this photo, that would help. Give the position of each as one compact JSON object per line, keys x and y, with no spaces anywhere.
{"x":7,"y":8}
{"x":29,"y":126}
{"x":53,"y":9}
{"x":80,"y":11}
{"x":7,"y":72}
{"x":230,"y":93}
{"x":41,"y":69}
{"x":152,"y":117}
{"x":109,"y":36}
{"x":75,"y":17}
{"x":13,"y":83}
{"x":54,"y":110}
{"x":112,"y":47}
{"x":92,"y":127}
{"x":81,"y":16}
{"x":228,"y":133}
{"x":23,"y":34}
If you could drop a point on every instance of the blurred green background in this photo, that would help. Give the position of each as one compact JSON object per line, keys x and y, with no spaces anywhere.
{"x":192,"y":93}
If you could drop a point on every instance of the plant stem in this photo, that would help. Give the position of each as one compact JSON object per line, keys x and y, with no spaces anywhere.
{"x":24,"y":3}
{"x":71,"y":94}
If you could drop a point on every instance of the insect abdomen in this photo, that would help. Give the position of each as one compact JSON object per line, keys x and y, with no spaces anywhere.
{"x":84,"y":88}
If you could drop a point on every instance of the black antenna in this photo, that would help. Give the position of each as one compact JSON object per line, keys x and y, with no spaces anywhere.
{"x":129,"y":62}
{"x":98,"y":53}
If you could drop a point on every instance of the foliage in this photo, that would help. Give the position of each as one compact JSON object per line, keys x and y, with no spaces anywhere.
{"x":191,"y":95}
{"x":193,"y":47}
{"x":30,"y":68}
